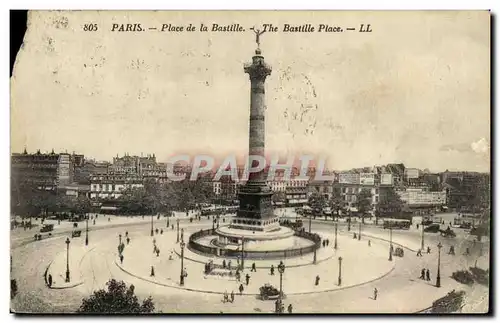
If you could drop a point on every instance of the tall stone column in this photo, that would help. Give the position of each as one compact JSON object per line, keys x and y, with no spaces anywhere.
{"x":258,"y":70}
{"x":255,"y":212}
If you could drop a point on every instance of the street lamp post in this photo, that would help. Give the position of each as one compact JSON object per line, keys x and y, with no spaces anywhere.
{"x":340,"y":271}
{"x":349,"y":222}
{"x":67,"y":260}
{"x":281,"y":270}
{"x":120,"y":239}
{"x":182,"y":234}
{"x":422,"y":240}
{"x":359,"y":231}
{"x":314,"y":257}
{"x":177,"y":230}
{"x":438,"y":276}
{"x":335,"y":243}
{"x":310,"y":222}
{"x":182,"y":263}
{"x":390,"y":245}
{"x":87,"y":231}
{"x":152,"y":216}
{"x":242,"y":253}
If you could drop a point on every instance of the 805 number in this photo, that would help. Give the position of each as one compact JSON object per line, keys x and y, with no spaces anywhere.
{"x":90,"y":27}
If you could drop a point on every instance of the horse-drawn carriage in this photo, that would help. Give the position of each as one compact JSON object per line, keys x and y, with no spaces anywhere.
{"x":76,"y":233}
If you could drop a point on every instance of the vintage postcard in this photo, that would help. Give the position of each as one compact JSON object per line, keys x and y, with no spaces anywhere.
{"x":260,"y":162}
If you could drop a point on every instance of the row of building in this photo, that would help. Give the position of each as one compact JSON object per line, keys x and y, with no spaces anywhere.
{"x":74,"y":175}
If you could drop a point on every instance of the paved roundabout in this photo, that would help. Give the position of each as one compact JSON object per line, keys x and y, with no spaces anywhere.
{"x":167,"y":267}
{"x":400,"y":290}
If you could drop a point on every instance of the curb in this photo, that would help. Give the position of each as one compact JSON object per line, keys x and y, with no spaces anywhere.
{"x":395,"y":243}
{"x":250,"y":267}
{"x":26,"y":241}
{"x":67,"y":286}
{"x":253,"y":294}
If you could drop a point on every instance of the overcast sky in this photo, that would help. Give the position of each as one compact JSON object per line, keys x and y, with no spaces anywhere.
{"x":416,"y":90}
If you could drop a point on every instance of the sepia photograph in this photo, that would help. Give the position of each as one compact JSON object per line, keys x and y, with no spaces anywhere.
{"x":250,"y":162}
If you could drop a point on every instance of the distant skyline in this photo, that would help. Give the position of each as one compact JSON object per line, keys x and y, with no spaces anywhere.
{"x":240,"y":163}
{"x":414,"y":91}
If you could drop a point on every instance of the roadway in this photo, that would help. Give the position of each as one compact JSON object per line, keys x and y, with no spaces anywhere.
{"x":399,"y":292}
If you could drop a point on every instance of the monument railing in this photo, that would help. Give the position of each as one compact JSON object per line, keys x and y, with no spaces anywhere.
{"x":257,"y":254}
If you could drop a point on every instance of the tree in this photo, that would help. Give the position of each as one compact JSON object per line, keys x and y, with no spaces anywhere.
{"x":117,"y":299}
{"x":82,"y":205}
{"x":390,"y":204}
{"x":133,"y":200}
{"x":279,"y":197}
{"x":364,"y":202}
{"x":337,"y":201}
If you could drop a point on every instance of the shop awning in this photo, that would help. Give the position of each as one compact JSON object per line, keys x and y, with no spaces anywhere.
{"x":110,"y":208}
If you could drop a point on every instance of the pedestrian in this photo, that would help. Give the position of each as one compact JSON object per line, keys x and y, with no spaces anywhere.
{"x":152,"y":271}
{"x":247,"y":278}
{"x":417,"y":226}
{"x":232,"y":296}
{"x":172,"y":226}
{"x":290,"y":309}
{"x":277,"y":306}
{"x":422,"y":274}
{"x":324,"y":243}
{"x":254,"y":269}
{"x":419,"y":253}
{"x":452,"y":250}
{"x":121,"y":259}
{"x":241,"y":289}
{"x":126,"y":233}
{"x":226,"y":297}
{"x":156,"y":231}
{"x":369,"y":243}
{"x":157,"y":252}
{"x":428,"y":275}
{"x":238,"y":275}
{"x":375,"y":293}
{"x":229,"y":265}
{"x":59,"y":222}
{"x":428,"y":249}
{"x":327,"y":242}
{"x":50,"y":280}
{"x":161,"y":231}
{"x":272,"y":270}
{"x":94,"y":221}
{"x":224,"y":263}
{"x":128,"y":240}
{"x":317,"y":280}
{"x":354,"y":235}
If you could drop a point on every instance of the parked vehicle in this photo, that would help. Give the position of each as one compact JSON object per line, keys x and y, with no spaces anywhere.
{"x":47,"y":228}
{"x":433,"y":228}
{"x":448,"y":233}
{"x":76,"y":233}
{"x":269,"y":292}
